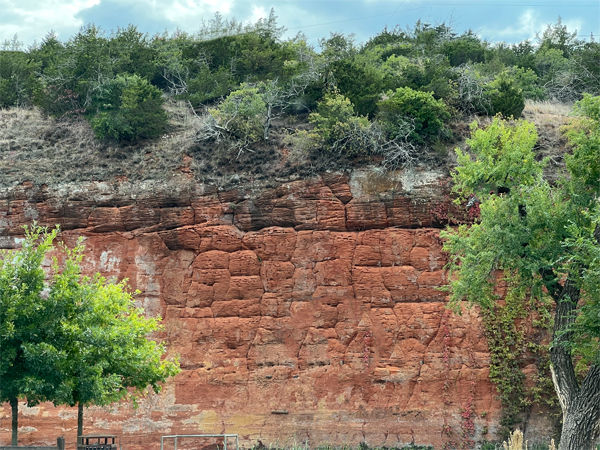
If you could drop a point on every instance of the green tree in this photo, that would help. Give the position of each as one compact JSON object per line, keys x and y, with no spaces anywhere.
{"x":17,"y":78}
{"x":71,"y":340}
{"x":467,"y":48}
{"x":543,"y":241}
{"x":26,"y":321}
{"x":506,"y":97}
{"x":427,"y":114}
{"x":129,"y":108}
{"x":105,"y":349}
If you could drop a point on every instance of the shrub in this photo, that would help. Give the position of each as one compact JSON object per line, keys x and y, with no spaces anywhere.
{"x":335,"y":121}
{"x":129,"y":108}
{"x":339,"y":130}
{"x":242,"y":114}
{"x":207,"y":85}
{"x":360,"y":81}
{"x":427,"y":114}
{"x":17,"y":78}
{"x":505,"y":96}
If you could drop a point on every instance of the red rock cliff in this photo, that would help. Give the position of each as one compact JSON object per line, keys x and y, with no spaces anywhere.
{"x":317,"y":299}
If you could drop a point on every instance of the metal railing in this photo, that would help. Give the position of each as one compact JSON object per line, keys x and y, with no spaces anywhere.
{"x":224,"y":436}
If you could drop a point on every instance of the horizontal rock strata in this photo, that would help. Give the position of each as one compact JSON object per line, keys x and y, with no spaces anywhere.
{"x":309,"y":313}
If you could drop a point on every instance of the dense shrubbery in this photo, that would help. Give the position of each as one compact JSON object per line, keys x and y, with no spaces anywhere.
{"x":337,"y":127}
{"x":117,"y":80}
{"x":129,"y":108}
{"x":421,"y":108}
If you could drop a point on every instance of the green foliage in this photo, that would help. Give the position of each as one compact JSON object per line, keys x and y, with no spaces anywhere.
{"x":80,"y":77}
{"x":584,"y":162}
{"x":17,"y":78}
{"x":26,"y":319}
{"x":504,"y":157}
{"x":104,"y":351}
{"x":557,"y":37}
{"x":71,"y":339}
{"x":465,"y":49}
{"x":360,"y":81}
{"x":527,"y":81}
{"x":505,"y":332}
{"x":505,"y":97}
{"x":534,"y":235}
{"x":426,"y":113}
{"x":207,"y":85}
{"x":129,"y":108}
{"x":337,"y":127}
{"x":242,"y":114}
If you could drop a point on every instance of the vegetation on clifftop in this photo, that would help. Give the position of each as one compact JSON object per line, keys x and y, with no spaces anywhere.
{"x":401,"y":89}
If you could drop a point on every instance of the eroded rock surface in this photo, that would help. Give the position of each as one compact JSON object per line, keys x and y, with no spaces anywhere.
{"x":308,"y":313}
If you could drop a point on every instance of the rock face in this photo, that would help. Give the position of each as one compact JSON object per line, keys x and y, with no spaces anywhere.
{"x":307,"y":313}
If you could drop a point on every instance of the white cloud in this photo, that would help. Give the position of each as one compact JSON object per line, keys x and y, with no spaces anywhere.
{"x":529,"y":23}
{"x":258,"y":12}
{"x":32,"y":19}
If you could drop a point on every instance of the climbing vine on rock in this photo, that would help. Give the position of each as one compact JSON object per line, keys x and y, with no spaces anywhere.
{"x":505,"y":331}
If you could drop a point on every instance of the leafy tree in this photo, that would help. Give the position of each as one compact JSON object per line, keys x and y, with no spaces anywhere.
{"x":17,"y":78}
{"x":27,"y":321}
{"x":556,"y":36}
{"x":72,"y":339}
{"x":467,"y":48}
{"x":361,"y":81}
{"x":505,"y":96}
{"x":129,"y":108}
{"x":104,"y":350}
{"x":427,"y":113}
{"x":132,"y":53}
{"x":48,"y":52}
{"x":543,"y":241}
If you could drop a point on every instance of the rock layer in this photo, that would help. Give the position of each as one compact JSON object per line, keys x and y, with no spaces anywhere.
{"x":308,"y":313}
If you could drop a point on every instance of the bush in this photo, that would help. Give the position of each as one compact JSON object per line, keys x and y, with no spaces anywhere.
{"x":242,"y":114}
{"x":17,"y":78}
{"x":207,"y":86}
{"x":360,"y":81}
{"x":339,"y":130}
{"x":427,"y":114}
{"x":505,"y":97}
{"x":129,"y":108}
{"x":335,"y":122}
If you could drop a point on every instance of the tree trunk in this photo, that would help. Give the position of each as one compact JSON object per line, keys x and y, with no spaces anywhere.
{"x":580,"y":404}
{"x":79,"y":419}
{"x":582,"y":416}
{"x":14,"y":406}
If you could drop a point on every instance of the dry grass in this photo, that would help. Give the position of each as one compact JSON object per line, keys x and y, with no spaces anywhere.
{"x":515,"y":441}
{"x":548,"y":118}
{"x":548,"y":107}
{"x":44,"y":150}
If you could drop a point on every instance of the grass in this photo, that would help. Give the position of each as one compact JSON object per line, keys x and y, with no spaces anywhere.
{"x":47,"y":151}
{"x":548,"y":107}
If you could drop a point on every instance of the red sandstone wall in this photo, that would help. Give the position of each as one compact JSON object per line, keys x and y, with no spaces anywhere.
{"x":318,"y":298}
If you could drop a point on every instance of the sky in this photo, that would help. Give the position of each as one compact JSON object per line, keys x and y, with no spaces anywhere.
{"x":509,"y":21}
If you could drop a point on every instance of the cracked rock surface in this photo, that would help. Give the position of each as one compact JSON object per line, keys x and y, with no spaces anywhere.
{"x":305,"y":313}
